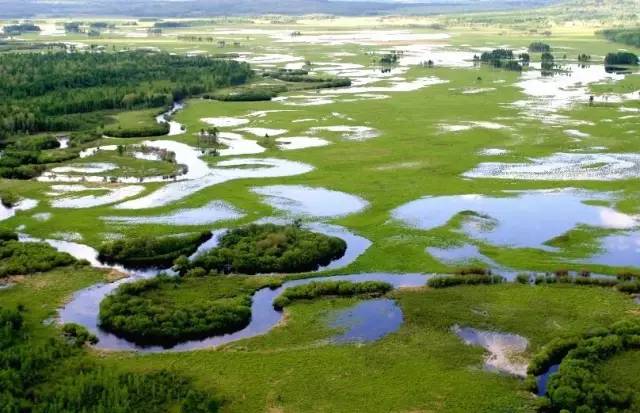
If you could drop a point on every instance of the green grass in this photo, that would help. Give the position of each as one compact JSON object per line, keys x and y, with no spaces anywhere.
{"x":43,"y":294}
{"x":622,"y":372}
{"x":422,"y":367}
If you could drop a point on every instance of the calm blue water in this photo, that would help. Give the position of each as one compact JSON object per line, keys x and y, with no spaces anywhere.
{"x":368,"y":321}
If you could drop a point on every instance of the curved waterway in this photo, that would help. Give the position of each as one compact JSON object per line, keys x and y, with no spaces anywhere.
{"x":85,"y":306}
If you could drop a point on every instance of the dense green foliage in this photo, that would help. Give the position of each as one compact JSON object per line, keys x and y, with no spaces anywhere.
{"x":577,"y":386}
{"x":170,"y":24}
{"x":7,"y":235}
{"x":552,"y":353}
{"x":547,"y":62}
{"x":26,"y":164}
{"x":271,"y":248}
{"x":9,"y":198}
{"x":330,"y":288}
{"x":626,"y":36}
{"x":301,"y":75}
{"x":157,"y":129}
{"x":465,"y":279}
{"x":132,"y":312}
{"x":539,"y":47}
{"x":145,"y":251}
{"x":23,"y":258}
{"x":55,"y":377}
{"x":245,"y":94}
{"x":34,"y":143}
{"x":621,"y":58}
{"x":500,"y":58}
{"x":584,"y":279}
{"x":38,"y":88}
{"x":17,"y":29}
{"x":78,"y":335}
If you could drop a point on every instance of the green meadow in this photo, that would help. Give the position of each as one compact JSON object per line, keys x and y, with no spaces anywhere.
{"x":426,"y":139}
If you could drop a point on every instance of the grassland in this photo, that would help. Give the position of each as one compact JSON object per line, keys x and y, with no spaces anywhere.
{"x":423,"y":366}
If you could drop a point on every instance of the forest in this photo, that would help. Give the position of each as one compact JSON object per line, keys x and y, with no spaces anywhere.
{"x":56,"y":376}
{"x":630,"y":37}
{"x":37,"y":88}
{"x":61,"y":91}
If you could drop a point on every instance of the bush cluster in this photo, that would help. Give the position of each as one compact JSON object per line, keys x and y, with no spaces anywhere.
{"x":23,"y":258}
{"x":621,"y":58}
{"x":245,"y":94}
{"x":330,"y":288}
{"x":469,"y":279}
{"x":149,"y":251}
{"x":270,"y":248}
{"x":626,"y":36}
{"x":501,"y":58}
{"x":157,"y":129}
{"x":577,"y":386}
{"x":132,"y":313}
{"x":539,"y":47}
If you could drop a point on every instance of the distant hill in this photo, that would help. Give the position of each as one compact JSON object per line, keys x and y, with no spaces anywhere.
{"x":199,"y":8}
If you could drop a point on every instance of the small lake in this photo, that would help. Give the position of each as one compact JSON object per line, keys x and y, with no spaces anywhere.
{"x":525,"y":219}
{"x":367,"y":321}
{"x":84,"y":308}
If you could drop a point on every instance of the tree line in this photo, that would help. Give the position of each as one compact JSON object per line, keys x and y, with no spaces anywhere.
{"x":38,"y":88}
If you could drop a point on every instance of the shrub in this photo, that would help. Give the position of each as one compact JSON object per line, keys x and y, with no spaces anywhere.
{"x":545,"y":279}
{"x":131,"y":312}
{"x":157,"y":129}
{"x":551,"y":354}
{"x":577,"y":386}
{"x":627,"y":275}
{"x":630,"y":287}
{"x":539,"y":47}
{"x":78,"y":335}
{"x":271,"y":248}
{"x":244,"y":95}
{"x":451,"y":281}
{"x":21,"y":258}
{"x":330,"y":288}
{"x":7,"y":235}
{"x":621,"y":58}
{"x":145,"y":251}
{"x":472,"y":271}
{"x":626,"y":36}
{"x":35,"y":143}
{"x":9,"y":199}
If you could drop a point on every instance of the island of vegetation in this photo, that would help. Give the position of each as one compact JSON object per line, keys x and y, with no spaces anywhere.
{"x":268,"y":248}
{"x":169,"y":310}
{"x":146,"y":251}
{"x":25,"y":258}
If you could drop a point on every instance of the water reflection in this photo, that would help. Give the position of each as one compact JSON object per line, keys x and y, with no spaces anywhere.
{"x":368,"y":321}
{"x":522,"y":219}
